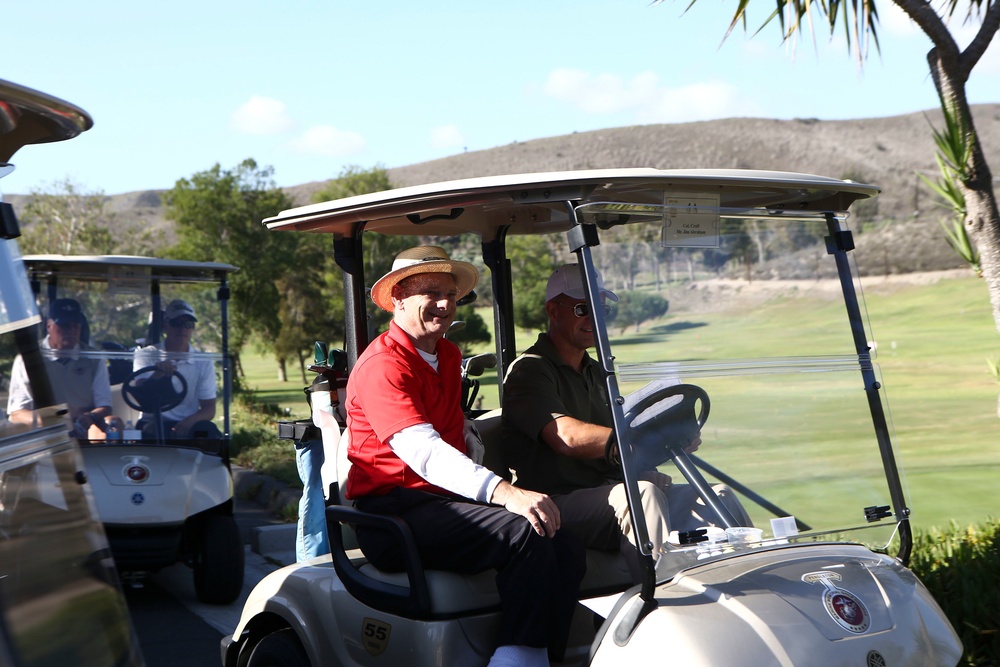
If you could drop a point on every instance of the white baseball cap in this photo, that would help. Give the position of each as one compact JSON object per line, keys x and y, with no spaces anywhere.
{"x":567,"y":280}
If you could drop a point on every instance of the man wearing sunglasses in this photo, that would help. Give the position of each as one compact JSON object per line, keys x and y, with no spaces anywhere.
{"x":557,"y":423}
{"x":193,"y":416}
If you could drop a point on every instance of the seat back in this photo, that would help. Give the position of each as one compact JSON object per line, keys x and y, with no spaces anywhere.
{"x":488,"y":425}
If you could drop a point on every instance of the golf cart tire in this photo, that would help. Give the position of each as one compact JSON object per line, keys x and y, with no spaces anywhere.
{"x":279,"y":649}
{"x":218,"y":561}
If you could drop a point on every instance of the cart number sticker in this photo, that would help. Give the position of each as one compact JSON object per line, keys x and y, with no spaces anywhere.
{"x":375,"y":635}
{"x":843,"y":606}
{"x":690,"y":221}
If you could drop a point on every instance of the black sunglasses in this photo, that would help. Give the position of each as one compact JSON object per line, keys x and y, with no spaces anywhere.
{"x":181,"y":323}
{"x":583,"y":309}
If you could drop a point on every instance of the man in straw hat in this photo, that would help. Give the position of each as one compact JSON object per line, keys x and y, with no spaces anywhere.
{"x":408,"y":457}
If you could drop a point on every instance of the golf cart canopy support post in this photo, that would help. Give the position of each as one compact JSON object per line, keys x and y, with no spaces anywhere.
{"x":839,"y":243}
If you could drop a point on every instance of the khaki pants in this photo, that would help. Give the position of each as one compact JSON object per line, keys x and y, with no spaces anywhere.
{"x":600,"y":516}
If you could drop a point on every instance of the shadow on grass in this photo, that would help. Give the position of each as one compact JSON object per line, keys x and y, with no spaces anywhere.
{"x":655,"y":334}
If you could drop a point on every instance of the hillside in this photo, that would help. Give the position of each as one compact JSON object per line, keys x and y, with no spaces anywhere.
{"x":889,"y":152}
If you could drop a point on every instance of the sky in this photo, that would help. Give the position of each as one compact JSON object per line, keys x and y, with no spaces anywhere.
{"x":310,"y":87}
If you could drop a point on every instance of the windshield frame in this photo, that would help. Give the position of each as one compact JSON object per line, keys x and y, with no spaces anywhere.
{"x":585,"y":236}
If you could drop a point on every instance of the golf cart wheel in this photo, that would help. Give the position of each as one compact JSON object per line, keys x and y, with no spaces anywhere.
{"x":279,"y":649}
{"x":218,"y":560}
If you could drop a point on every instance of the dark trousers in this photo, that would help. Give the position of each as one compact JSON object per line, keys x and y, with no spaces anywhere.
{"x":538,"y":578}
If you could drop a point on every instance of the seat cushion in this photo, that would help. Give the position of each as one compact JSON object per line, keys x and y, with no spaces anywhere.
{"x":453,"y":593}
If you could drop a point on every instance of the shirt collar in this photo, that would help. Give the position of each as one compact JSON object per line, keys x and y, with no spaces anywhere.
{"x":73,"y":353}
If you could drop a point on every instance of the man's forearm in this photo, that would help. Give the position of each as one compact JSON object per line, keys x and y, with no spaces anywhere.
{"x":578,"y":439}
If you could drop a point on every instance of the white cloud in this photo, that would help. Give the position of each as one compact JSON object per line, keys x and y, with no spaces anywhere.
{"x":698,"y":101}
{"x":645,"y":97}
{"x":261,"y":116}
{"x":447,"y":136}
{"x":328,"y":141}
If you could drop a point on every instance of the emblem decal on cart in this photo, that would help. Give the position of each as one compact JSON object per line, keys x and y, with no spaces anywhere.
{"x":135,"y":470}
{"x":875,"y":659}
{"x":843,"y":606}
{"x":138,"y":499}
{"x":375,"y":635}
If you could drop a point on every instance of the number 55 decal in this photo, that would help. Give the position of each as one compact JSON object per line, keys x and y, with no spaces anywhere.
{"x":375,"y":635}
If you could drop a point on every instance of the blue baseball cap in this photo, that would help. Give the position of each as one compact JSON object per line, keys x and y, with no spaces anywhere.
{"x":66,"y":311}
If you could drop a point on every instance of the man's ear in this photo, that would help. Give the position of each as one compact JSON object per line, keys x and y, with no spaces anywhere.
{"x":396,"y":294}
{"x":550,"y":309}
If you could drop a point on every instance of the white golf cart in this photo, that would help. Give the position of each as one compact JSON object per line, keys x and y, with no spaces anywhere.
{"x":798,"y":428}
{"x":60,"y":598}
{"x":163,"y":497}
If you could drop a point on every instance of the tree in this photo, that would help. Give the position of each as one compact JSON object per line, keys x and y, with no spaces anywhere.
{"x":533,"y":264}
{"x":474,"y":332}
{"x":379,"y":250}
{"x":634,"y":308}
{"x":964,"y":171}
{"x":355,"y":180}
{"x":218,"y":214}
{"x":65,"y":220}
{"x":310,"y":309}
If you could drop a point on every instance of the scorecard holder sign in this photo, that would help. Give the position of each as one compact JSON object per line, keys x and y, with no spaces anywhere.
{"x":690,"y":221}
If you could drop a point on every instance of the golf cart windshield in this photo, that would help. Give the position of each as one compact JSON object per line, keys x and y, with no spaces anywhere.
{"x":125,"y":304}
{"x":748,"y":306}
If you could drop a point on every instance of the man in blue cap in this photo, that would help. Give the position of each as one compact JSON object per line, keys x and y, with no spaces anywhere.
{"x":79,"y":379}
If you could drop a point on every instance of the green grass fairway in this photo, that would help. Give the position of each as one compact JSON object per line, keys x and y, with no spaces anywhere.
{"x":262,"y":376}
{"x":933,"y":341}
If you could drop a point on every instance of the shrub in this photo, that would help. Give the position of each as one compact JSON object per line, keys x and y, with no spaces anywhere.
{"x":961,"y":568}
{"x":255,"y":442}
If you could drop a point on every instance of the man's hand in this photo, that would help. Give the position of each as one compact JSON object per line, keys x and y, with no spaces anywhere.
{"x":164,"y":368}
{"x":540,"y":510}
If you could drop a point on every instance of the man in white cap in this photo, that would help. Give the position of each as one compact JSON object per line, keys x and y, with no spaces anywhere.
{"x":193,"y":416}
{"x":408,"y":455}
{"x":79,"y":380}
{"x":557,"y":423}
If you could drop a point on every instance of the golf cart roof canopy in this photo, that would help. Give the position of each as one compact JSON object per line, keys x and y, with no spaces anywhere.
{"x":100,"y":267}
{"x":30,"y":117}
{"x":535,"y":203}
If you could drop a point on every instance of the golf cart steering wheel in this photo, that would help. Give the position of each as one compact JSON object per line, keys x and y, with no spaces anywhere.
{"x":154,"y":395}
{"x":666,"y":433}
{"x":668,"y":429}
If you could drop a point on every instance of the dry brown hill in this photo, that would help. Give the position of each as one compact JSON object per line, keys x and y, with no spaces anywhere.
{"x":889,"y":152}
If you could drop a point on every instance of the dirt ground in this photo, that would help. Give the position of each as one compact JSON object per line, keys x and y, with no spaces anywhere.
{"x":725,"y":292}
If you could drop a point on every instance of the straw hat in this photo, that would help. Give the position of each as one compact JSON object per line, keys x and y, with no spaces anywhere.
{"x":423,"y":259}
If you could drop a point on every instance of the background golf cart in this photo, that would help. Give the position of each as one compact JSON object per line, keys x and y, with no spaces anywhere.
{"x":60,"y":602}
{"x":797,"y":427}
{"x":163,"y":499}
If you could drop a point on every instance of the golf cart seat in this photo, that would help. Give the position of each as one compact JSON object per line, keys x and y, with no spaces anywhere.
{"x":414,"y":593}
{"x":433,"y":594}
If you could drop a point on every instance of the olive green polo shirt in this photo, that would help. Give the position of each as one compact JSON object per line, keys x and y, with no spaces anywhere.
{"x":538,"y":388}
